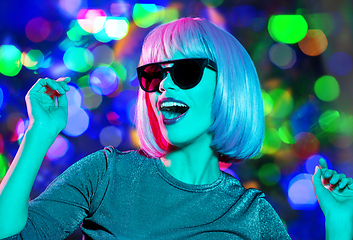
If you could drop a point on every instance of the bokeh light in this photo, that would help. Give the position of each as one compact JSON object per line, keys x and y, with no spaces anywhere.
{"x":282,"y":55}
{"x":306,"y":145}
{"x":78,"y":59}
{"x":267,"y":101}
{"x":38,"y":29}
{"x":4,"y":166}
{"x":212,"y":3}
{"x":330,"y":121}
{"x":33,"y":59}
{"x":327,"y":88}
{"x":10,"y":60}
{"x":272,"y":142}
{"x":340,"y":63}
{"x":116,"y":28}
{"x":282,"y":103}
{"x":91,"y":20}
{"x":145,"y":15}
{"x":287,"y":28}
{"x":103,"y":80}
{"x":285,"y":133}
{"x":58,"y":148}
{"x":77,"y":122}
{"x":102,"y":55}
{"x":301,"y":194}
{"x":269,"y":174}
{"x":70,"y":6}
{"x":110,"y":135}
{"x":314,"y":43}
{"x":91,"y":100}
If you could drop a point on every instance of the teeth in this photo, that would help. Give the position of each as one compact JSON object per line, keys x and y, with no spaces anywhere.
{"x":172,"y":104}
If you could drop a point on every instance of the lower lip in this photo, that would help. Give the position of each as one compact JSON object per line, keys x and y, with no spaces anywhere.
{"x":173,"y":120}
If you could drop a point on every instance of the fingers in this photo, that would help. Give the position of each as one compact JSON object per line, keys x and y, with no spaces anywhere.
{"x":323,"y":164}
{"x":47,"y":85}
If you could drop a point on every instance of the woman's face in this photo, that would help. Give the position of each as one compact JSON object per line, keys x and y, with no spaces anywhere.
{"x":193,"y":126}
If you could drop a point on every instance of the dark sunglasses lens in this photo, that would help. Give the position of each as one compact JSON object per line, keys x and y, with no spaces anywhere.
{"x":151,"y":77}
{"x":186,"y":73}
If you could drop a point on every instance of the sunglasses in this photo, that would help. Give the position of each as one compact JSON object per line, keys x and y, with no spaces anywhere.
{"x":186,"y":73}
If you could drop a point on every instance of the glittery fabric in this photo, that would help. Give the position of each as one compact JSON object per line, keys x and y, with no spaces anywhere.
{"x":124,"y":195}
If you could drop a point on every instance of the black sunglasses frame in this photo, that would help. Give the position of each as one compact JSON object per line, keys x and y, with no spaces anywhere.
{"x":202,"y":62}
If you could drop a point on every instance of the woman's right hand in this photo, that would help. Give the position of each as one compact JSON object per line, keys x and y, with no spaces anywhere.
{"x":42,"y":110}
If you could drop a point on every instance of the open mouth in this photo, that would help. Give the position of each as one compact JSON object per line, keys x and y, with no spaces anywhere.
{"x":173,"y":112}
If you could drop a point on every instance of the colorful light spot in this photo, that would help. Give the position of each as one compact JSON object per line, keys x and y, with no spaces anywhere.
{"x":171,"y":14}
{"x":330,"y":121}
{"x":10,"y":60}
{"x":116,"y":28}
{"x":301,"y":193}
{"x":122,"y":105}
{"x":91,"y":20}
{"x":272,"y":142}
{"x":346,"y":125}
{"x":287,"y":28}
{"x":212,"y":3}
{"x":282,"y":55}
{"x":327,"y":88}
{"x":118,"y":9}
{"x":312,"y":162}
{"x":282,"y":103}
{"x":340,"y":63}
{"x":110,"y":135}
{"x":2,"y":98}
{"x":267,"y":101}
{"x":306,"y":145}
{"x":314,"y":43}
{"x":145,"y":15}
{"x":33,"y":59}
{"x":58,"y":148}
{"x":91,"y":100}
{"x":103,"y":80}
{"x":103,"y":55}
{"x":78,"y":59}
{"x":77,"y":122}
{"x":37,"y":29}
{"x":269,"y":174}
{"x":4,"y":166}
{"x":135,"y":141}
{"x":285,"y":133}
{"x":113,"y":118}
{"x":70,"y":6}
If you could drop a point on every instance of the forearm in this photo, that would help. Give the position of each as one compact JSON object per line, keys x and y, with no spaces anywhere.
{"x":17,"y":183}
{"x":340,"y":228}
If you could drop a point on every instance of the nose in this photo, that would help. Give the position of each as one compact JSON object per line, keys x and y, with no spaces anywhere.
{"x":167,"y":83}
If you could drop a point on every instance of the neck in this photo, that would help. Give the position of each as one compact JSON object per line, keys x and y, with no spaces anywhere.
{"x":193,"y":165}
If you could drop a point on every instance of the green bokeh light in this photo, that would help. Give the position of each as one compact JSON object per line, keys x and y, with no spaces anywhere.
{"x":169,"y":15}
{"x":287,"y":28}
{"x":76,"y":32}
{"x":285,"y":133}
{"x":10,"y":60}
{"x":4,"y":166}
{"x":330,"y":121}
{"x":272,"y":141}
{"x":282,"y":103}
{"x":78,"y":59}
{"x":37,"y":57}
{"x":327,"y":88}
{"x":269,"y":174}
{"x":145,"y":15}
{"x":212,"y":3}
{"x":267,"y":101}
{"x":346,"y":125}
{"x":120,"y":70}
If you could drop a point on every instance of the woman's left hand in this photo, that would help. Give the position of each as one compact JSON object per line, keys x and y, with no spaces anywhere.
{"x":334,"y":192}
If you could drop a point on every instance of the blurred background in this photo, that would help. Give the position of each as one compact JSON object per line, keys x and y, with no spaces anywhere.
{"x":302,"y":50}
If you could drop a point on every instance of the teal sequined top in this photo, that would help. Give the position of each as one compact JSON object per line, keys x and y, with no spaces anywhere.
{"x":126,"y":195}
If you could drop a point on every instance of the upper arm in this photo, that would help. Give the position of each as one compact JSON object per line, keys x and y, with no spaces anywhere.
{"x":61,"y":208}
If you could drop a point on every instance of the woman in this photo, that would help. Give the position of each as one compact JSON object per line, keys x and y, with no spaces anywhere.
{"x":199,"y":103}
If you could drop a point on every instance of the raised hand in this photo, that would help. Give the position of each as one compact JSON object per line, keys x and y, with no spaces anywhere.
{"x":41,"y":104}
{"x":335,"y":195}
